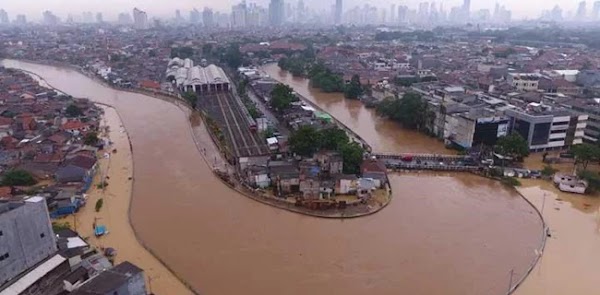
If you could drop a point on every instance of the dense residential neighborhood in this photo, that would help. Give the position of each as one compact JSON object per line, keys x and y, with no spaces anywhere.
{"x":317,"y":113}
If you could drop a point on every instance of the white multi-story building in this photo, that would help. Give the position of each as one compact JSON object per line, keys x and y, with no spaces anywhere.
{"x":548,"y":129}
{"x":524,"y":82}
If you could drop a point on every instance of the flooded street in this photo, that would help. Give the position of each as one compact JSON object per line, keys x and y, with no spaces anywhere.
{"x":383,"y":135}
{"x":441,"y":234}
{"x":571,"y":259}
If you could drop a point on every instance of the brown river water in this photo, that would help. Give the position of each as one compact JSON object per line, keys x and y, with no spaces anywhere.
{"x":441,"y":234}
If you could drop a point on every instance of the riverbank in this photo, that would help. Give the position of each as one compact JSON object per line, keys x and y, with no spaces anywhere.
{"x":117,"y":169}
{"x":443,"y":234}
{"x":209,"y":147}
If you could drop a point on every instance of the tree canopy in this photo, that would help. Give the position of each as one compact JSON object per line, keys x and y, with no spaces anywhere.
{"x":233,"y":57}
{"x":512,"y":145}
{"x":353,"y":90}
{"x":191,"y":98}
{"x":585,"y":153}
{"x":282,"y":97}
{"x":352,"y":154}
{"x":182,"y":52}
{"x":326,"y":80}
{"x":307,"y":140}
{"x":73,"y":111}
{"x":412,"y":111}
{"x":91,"y":139}
{"x":18,"y":178}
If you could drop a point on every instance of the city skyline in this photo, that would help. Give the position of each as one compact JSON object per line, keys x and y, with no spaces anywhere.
{"x":63,"y":8}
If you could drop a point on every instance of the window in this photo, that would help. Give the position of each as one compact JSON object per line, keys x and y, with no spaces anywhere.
{"x":42,"y":235}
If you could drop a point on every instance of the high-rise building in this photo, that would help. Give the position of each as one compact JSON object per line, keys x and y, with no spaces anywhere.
{"x":99,"y":17}
{"x":596,"y":11}
{"x":467,"y":8}
{"x":4,"y":17}
{"x":424,"y":11}
{"x":124,"y":18}
{"x":238,"y":15}
{"x":208,"y":17}
{"x":21,"y":19}
{"x":140,"y":19}
{"x":393,"y":13}
{"x":195,"y":16}
{"x":581,"y":11}
{"x":300,"y":9}
{"x":26,"y":236}
{"x":556,"y":14}
{"x":276,"y":12}
{"x":178,"y":16}
{"x":338,"y":12}
{"x":402,"y":14}
{"x":49,"y":18}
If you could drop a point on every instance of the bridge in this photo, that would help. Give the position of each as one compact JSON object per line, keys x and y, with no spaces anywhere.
{"x":430,"y":162}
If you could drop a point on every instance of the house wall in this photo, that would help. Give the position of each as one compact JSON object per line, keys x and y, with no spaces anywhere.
{"x":27,"y":237}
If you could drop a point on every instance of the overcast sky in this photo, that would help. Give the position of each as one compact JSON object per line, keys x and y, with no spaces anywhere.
{"x":33,"y":8}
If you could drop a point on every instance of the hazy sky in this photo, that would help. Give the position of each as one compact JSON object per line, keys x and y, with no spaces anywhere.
{"x":33,"y":8}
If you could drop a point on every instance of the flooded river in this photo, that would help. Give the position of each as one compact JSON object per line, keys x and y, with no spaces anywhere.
{"x":440,"y":235}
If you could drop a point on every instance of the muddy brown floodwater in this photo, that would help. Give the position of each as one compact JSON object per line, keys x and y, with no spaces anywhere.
{"x":441,"y":234}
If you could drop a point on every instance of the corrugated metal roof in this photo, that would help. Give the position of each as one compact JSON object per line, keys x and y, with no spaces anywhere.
{"x":33,"y":276}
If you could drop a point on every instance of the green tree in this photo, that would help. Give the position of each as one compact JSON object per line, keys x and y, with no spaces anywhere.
{"x":73,"y":111}
{"x":333,"y":138}
{"x":548,"y":171}
{"x":99,"y":204}
{"x":412,"y":111}
{"x":585,"y":153}
{"x":352,"y":154}
{"x":207,"y":50}
{"x":91,"y":139}
{"x":282,"y":97}
{"x":304,"y":141}
{"x":18,"y":177}
{"x":233,"y":56}
{"x":512,"y":145}
{"x":191,"y":98}
{"x":353,"y":90}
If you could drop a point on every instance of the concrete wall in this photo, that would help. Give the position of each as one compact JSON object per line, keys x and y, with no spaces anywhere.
{"x":27,"y":237}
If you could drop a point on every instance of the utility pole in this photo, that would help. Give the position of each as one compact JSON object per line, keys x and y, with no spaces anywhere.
{"x":543,"y":204}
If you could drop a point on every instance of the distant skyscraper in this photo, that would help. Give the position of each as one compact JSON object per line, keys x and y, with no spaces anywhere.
{"x":195,"y":16}
{"x":124,"y":18}
{"x":3,"y":17}
{"x":338,"y":12}
{"x":300,"y":9}
{"x":238,"y":15}
{"x":596,"y":11}
{"x":208,"y":18}
{"x":21,"y":19}
{"x":99,"y":17}
{"x":49,"y":18}
{"x":140,"y":19}
{"x":581,"y":11}
{"x":393,"y":13}
{"x":424,"y":11}
{"x":556,"y":13}
{"x":402,"y":14}
{"x":276,"y":12}
{"x":178,"y":16}
{"x":467,"y":8}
